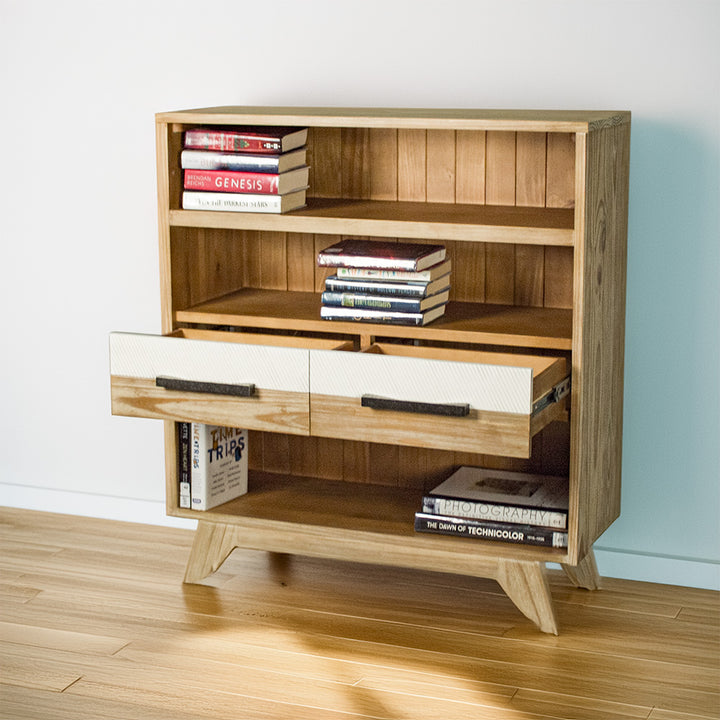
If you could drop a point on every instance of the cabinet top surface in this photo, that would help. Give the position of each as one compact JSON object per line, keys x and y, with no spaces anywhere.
{"x":460,"y":118}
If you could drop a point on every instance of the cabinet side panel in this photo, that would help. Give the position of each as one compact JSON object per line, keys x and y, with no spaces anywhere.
{"x":163,"y":199}
{"x":598,"y":342}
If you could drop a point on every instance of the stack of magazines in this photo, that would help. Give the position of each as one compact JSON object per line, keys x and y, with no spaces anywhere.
{"x":498,"y":505}
{"x":244,"y":169}
{"x":385,"y":282}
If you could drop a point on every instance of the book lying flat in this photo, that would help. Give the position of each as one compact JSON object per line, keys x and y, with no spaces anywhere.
{"x":387,"y":287}
{"x":381,"y":316}
{"x":384,"y":302}
{"x":242,"y":202}
{"x":246,"y":182}
{"x":248,"y":139}
{"x":381,"y":254}
{"x":431,"y":273}
{"x":242,"y":162}
{"x":501,"y":496}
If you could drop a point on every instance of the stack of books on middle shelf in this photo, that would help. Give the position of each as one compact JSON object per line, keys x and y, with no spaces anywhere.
{"x":245,"y":169}
{"x":498,"y":505}
{"x":385,"y":282}
{"x":212,"y":464}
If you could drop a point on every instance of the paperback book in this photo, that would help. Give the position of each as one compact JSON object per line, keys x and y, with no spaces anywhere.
{"x":218,"y":464}
{"x":249,"y":139}
{"x":242,"y":162}
{"x":501,"y":496}
{"x":380,"y":254}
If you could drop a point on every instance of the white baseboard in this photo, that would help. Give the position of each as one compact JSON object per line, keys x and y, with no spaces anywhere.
{"x":612,"y":562}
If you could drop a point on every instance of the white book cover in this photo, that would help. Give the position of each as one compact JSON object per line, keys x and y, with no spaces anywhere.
{"x":219,"y":465}
{"x":503,"y":496}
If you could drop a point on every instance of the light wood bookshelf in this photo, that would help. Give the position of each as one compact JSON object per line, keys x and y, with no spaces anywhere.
{"x":532,"y":207}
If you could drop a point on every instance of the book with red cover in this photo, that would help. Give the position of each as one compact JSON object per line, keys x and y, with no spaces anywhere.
{"x":381,"y":254}
{"x":247,"y":139}
{"x":246,"y":182}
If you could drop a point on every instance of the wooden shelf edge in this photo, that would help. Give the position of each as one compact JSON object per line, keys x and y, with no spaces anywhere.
{"x":412,"y":220}
{"x":420,"y":118}
{"x":463,"y":322}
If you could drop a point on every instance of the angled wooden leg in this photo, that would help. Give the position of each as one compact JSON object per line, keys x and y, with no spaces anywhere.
{"x":526,"y":585}
{"x":212,"y":544}
{"x":585,"y":573}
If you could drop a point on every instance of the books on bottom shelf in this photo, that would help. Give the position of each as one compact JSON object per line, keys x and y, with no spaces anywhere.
{"x":498,"y":505}
{"x":212,"y":465}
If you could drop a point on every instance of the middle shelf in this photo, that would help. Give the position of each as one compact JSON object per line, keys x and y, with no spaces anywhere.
{"x":463,"y":322}
{"x":412,"y":220}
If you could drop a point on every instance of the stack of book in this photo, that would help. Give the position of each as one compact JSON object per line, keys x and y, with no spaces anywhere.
{"x":212,"y":465}
{"x":385,"y":282}
{"x":250,"y":169}
{"x":498,"y":505}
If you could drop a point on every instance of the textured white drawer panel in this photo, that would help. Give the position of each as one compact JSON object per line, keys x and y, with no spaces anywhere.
{"x":486,"y":387}
{"x":151,"y":356}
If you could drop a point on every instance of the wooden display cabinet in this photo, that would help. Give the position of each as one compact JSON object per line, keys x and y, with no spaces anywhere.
{"x":532,"y":207}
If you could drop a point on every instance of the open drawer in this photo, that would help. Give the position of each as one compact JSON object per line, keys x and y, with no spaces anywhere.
{"x":469,"y":401}
{"x":259,"y":382}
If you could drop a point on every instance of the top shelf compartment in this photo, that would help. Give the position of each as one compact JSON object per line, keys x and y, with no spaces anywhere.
{"x":475,"y":176}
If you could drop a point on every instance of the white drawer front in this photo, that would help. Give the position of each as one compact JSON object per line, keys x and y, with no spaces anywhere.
{"x":484,"y":387}
{"x":151,"y":356}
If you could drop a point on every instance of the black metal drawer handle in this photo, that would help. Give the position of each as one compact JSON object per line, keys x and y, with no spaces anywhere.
{"x":448,"y":410}
{"x":198,"y":386}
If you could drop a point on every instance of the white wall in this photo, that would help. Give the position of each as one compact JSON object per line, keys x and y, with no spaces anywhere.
{"x":81,"y":81}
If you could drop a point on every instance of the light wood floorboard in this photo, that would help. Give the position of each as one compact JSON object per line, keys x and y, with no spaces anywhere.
{"x":96,"y":623}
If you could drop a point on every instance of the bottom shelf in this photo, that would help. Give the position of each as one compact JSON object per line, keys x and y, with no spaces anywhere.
{"x":351,"y":521}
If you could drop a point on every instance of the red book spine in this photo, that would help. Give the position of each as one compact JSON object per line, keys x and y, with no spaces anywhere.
{"x":233,"y":182}
{"x":231,"y":141}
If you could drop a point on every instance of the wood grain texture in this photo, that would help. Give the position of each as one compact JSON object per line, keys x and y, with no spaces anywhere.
{"x":324,"y":640}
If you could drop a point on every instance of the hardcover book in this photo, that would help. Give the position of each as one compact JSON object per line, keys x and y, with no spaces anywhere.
{"x":246,"y":182}
{"x":242,"y":162}
{"x":487,"y":530}
{"x":501,"y":496}
{"x":381,"y":316}
{"x":219,"y":467}
{"x":387,"y":287}
{"x":394,"y":303}
{"x":242,"y":202}
{"x":250,"y":139}
{"x":381,"y":254}
{"x":431,"y":273}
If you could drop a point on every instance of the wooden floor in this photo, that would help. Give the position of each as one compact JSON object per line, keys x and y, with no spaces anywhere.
{"x":96,"y":624}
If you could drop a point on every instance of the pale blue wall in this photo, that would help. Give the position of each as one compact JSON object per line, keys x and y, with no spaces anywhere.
{"x":89,"y":76}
